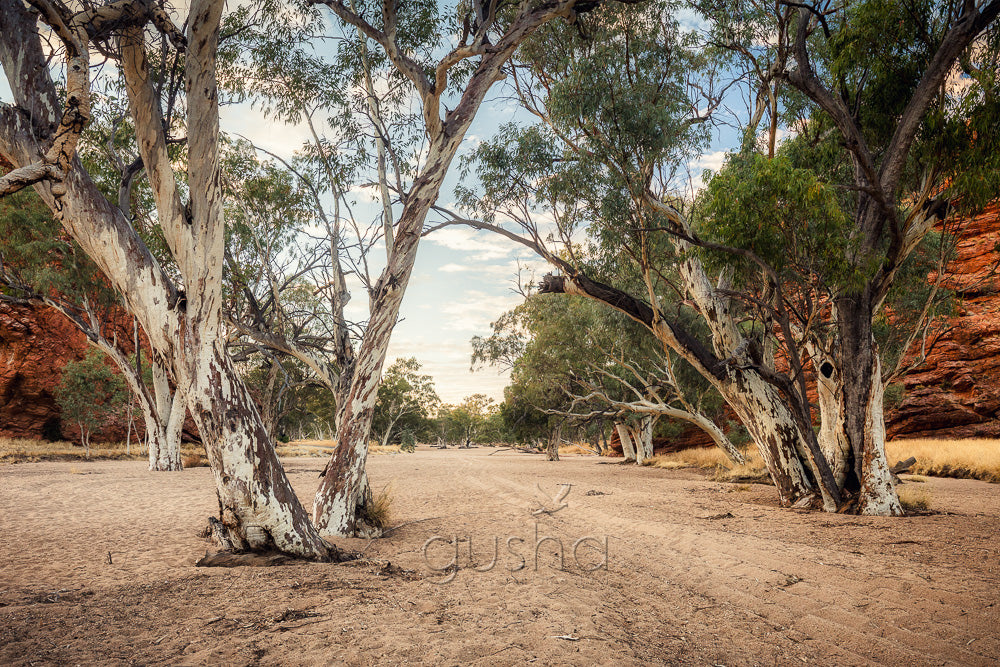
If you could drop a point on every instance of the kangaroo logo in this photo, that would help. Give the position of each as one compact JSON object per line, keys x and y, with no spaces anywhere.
{"x":552,"y":504}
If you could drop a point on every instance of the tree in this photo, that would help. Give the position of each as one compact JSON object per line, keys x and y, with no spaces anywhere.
{"x":621,"y":136}
{"x":180,"y":314}
{"x":895,"y":106}
{"x":613,"y":369}
{"x":40,"y":264}
{"x":467,"y":421}
{"x":88,"y":394}
{"x":613,"y":130}
{"x":406,"y":400}
{"x":399,"y":45}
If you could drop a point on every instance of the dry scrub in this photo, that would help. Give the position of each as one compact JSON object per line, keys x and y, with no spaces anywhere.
{"x":914,"y":499}
{"x":712,"y":458}
{"x":965,"y":459}
{"x":18,"y":450}
{"x":576,"y":449}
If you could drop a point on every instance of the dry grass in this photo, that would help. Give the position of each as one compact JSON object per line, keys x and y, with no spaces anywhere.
{"x":914,"y":499}
{"x":379,"y":510}
{"x":321,"y":448}
{"x":966,"y":459}
{"x":712,"y":458}
{"x":324,"y":448}
{"x":384,"y":449}
{"x":21,"y":450}
{"x":193,"y":459}
{"x":576,"y":449}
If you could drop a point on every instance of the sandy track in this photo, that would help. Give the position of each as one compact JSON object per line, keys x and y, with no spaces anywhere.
{"x":698,"y":573}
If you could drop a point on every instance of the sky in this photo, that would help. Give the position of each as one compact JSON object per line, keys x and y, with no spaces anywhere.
{"x":462,"y":281}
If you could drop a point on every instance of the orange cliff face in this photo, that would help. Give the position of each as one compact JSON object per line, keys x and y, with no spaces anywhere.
{"x":955,"y":393}
{"x":35,"y":344}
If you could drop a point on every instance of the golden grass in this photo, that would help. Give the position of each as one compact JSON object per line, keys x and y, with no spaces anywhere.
{"x":23,"y":450}
{"x":712,"y":458}
{"x":576,"y":449}
{"x":194,"y":460}
{"x":305,"y":448}
{"x":914,"y":498}
{"x":324,"y":448}
{"x":379,"y":510}
{"x":966,"y":459}
{"x":384,"y":449}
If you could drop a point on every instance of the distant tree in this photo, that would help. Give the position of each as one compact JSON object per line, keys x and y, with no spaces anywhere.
{"x":468,"y":421}
{"x":89,"y":393}
{"x":613,"y":370}
{"x":406,"y":400}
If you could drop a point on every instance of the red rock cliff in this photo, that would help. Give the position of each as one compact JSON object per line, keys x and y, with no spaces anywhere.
{"x":956,"y":392}
{"x":35,"y":344}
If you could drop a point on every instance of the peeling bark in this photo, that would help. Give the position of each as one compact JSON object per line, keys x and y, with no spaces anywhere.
{"x":256,"y":501}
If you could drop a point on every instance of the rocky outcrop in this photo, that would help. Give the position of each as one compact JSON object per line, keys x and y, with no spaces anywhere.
{"x":955,"y":393}
{"x":35,"y":344}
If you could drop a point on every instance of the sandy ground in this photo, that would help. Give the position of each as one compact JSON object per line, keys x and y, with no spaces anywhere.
{"x":697,"y":572}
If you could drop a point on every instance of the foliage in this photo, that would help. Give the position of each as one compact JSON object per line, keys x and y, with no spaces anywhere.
{"x":475,"y":419}
{"x":406,"y":401}
{"x":88,"y":393}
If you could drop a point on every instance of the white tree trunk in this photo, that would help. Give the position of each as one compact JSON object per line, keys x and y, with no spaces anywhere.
{"x":256,"y":500}
{"x":833,"y":440}
{"x":878,"y":493}
{"x":644,"y":439}
{"x":628,"y":450}
{"x":165,"y":440}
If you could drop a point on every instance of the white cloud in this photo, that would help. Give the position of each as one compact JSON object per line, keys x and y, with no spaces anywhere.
{"x":477,"y":310}
{"x":713,"y":161}
{"x":481,"y":246}
{"x":454,"y":268}
{"x":277,"y":137}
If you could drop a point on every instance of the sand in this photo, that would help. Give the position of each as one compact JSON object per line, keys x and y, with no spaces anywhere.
{"x":97,"y":566}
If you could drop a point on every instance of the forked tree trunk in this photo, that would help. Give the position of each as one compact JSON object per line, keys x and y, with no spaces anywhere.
{"x":862,"y":408}
{"x":165,"y":438}
{"x":155,"y":410}
{"x":643,"y":438}
{"x":776,"y":433}
{"x":256,"y":500}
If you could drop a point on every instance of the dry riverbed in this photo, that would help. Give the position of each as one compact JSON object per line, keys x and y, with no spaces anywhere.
{"x":97,"y":565}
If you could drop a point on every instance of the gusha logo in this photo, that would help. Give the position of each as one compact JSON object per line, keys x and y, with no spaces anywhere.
{"x":588,"y":553}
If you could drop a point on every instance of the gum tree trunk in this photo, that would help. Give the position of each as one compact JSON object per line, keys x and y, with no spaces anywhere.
{"x":339,"y":506}
{"x":644,"y":439}
{"x":165,"y":439}
{"x":833,"y":440}
{"x":552,"y":451}
{"x":862,"y":410}
{"x":256,"y":500}
{"x":625,"y":436}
